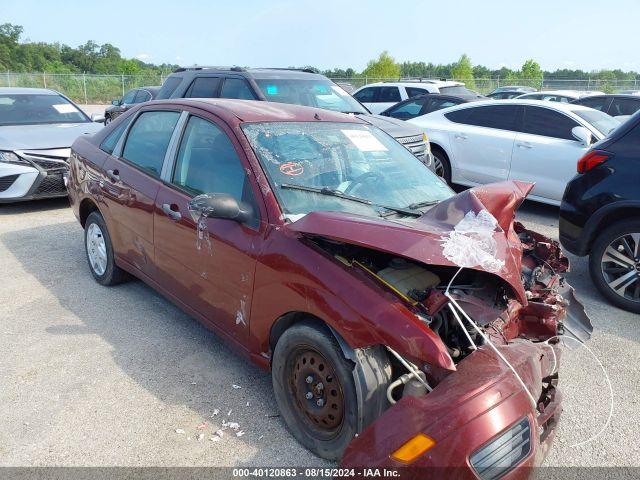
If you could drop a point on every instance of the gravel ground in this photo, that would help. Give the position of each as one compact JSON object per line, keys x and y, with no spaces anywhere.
{"x":94,"y":376}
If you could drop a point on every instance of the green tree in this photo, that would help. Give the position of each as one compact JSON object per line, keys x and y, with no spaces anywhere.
{"x":383,"y":67}
{"x":463,"y":71}
{"x":531,"y":74}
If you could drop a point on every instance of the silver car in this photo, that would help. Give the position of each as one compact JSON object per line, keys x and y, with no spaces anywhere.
{"x":37,"y":128}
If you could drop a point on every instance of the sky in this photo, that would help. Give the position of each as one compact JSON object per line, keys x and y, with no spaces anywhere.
{"x":572,"y":34}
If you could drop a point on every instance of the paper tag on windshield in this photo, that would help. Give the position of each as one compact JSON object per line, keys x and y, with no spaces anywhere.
{"x":64,"y":108}
{"x":364,"y":141}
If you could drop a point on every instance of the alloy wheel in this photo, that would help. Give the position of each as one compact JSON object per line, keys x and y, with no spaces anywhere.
{"x":438,"y":166}
{"x":620,"y":266}
{"x":96,"y":249}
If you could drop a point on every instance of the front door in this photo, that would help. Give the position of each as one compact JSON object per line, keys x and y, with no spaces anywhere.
{"x":130,"y":185}
{"x":206,"y":262}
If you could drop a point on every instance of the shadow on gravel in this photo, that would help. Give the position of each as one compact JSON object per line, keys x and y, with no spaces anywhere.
{"x":34,"y":206}
{"x":160,"y":347}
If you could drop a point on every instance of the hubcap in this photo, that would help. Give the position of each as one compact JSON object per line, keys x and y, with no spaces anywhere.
{"x":620,"y":266}
{"x":438,"y":166}
{"x":96,"y":249}
{"x":317,"y":392}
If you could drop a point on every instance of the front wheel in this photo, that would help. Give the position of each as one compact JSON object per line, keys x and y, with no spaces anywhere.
{"x":614,"y":264}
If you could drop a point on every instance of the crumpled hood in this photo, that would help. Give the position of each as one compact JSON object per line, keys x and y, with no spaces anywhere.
{"x":421,"y":239}
{"x":35,"y":137}
{"x":394,"y":127}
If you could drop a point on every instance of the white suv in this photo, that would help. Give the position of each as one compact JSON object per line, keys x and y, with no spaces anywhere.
{"x":377,"y":97}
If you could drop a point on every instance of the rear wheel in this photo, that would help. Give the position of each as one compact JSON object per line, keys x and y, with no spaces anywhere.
{"x":107,"y":120}
{"x":614,"y":264}
{"x":315,"y":390}
{"x":99,"y":251}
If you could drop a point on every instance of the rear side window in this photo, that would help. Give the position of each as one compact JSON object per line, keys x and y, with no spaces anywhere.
{"x":108,"y":145}
{"x":548,"y":123}
{"x":142,"y":96}
{"x":366,"y":95}
{"x":237,"y":88}
{"x":204,"y":87}
{"x":503,"y":117}
{"x":389,"y":94}
{"x":624,"y":106}
{"x":599,"y":103}
{"x":169,"y":86}
{"x":414,"y":92}
{"x":148,"y":139}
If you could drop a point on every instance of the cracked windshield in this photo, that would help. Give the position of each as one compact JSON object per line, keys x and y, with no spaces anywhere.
{"x":342,"y":167}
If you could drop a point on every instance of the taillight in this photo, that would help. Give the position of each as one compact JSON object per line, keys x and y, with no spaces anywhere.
{"x":591,"y":159}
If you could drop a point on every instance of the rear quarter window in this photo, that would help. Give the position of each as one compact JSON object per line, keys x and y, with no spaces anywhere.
{"x":168,"y":87}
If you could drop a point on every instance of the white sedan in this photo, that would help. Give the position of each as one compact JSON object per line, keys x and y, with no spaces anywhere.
{"x":529,"y":140}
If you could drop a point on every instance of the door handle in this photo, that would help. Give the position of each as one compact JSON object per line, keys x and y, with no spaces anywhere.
{"x":525,"y":145}
{"x":461,"y":136}
{"x":171,"y":211}
{"x":114,"y":175}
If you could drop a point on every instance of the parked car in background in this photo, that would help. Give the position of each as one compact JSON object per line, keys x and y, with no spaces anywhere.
{"x":562,"y":96}
{"x":377,"y":97}
{"x":528,"y":140}
{"x":507,"y":92}
{"x":37,"y":128}
{"x":285,"y":85}
{"x":312,"y":242}
{"x":619,"y":106}
{"x":128,"y":100}
{"x":422,"y":104}
{"x":600,"y":214}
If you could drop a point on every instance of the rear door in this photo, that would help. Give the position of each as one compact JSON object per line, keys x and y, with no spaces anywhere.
{"x":482,"y":142}
{"x":131,"y":182}
{"x":546,"y":152}
{"x":208,"y":263}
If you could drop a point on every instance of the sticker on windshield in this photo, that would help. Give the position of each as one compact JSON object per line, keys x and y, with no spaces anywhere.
{"x":292,"y":168}
{"x":364,"y":141}
{"x":64,"y":108}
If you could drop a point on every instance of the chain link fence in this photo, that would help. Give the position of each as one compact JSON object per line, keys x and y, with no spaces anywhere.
{"x":101,"y":89}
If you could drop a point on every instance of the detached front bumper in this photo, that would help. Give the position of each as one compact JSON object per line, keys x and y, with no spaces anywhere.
{"x":465,"y":413}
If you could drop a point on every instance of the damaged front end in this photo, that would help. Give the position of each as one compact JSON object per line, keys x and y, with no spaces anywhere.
{"x":494,"y":295}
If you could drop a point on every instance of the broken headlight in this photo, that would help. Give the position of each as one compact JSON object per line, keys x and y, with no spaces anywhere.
{"x":10,"y":157}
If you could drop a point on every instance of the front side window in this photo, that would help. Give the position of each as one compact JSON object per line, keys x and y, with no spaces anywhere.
{"x":38,"y":109}
{"x":320,"y":93}
{"x":169,"y":86}
{"x":207,"y":162}
{"x":548,"y":123}
{"x":409,"y":109}
{"x":366,"y":95}
{"x":204,"y":87}
{"x":340,"y":158}
{"x":237,"y":88}
{"x":142,"y":96}
{"x":108,"y":145}
{"x":129,"y":97}
{"x":148,"y":140}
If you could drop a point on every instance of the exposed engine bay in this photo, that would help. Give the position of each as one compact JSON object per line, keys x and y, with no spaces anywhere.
{"x":485,"y":297}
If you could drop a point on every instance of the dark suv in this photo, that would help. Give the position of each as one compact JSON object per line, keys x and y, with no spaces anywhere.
{"x":600,"y":214}
{"x":299,"y":87}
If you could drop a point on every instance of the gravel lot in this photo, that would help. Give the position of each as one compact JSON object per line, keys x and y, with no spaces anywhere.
{"x":94,"y":376}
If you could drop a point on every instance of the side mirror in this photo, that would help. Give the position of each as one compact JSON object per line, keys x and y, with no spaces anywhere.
{"x":219,"y":205}
{"x":117,"y":103}
{"x":582,"y":135}
{"x":98,"y":118}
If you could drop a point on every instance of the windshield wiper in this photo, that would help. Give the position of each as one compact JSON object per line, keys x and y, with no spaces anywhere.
{"x":337,"y":193}
{"x":425,"y":203}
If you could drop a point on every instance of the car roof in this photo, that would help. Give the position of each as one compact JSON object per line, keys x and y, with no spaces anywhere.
{"x":564,"y":107}
{"x":26,"y":91}
{"x":417,"y":83}
{"x":235,"y":111}
{"x":260,"y":73}
{"x":609,"y":95}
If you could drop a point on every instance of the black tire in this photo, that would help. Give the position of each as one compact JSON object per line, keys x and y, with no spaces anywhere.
{"x":325,"y":441}
{"x":440,"y":157}
{"x":112,"y":274}
{"x":107,"y":120}
{"x":602,"y":279}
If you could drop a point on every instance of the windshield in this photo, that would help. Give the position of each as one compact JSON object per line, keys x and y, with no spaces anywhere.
{"x":311,"y":93}
{"x":602,"y":122}
{"x":38,"y":109}
{"x":343,"y":159}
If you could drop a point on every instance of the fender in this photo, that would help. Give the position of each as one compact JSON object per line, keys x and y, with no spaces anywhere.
{"x":596,"y":220}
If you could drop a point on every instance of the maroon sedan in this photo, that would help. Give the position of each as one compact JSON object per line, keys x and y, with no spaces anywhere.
{"x":404,"y":325}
